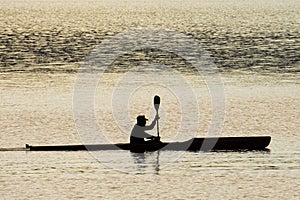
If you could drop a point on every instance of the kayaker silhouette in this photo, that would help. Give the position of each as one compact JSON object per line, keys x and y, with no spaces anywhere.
{"x":138,"y":134}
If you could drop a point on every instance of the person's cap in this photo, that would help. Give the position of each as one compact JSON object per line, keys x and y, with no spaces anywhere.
{"x":141,"y":118}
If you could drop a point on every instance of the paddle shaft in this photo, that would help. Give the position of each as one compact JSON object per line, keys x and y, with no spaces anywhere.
{"x":157,"y":124}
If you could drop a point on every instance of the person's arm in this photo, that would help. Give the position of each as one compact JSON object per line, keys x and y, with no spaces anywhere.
{"x":148,"y":136}
{"x":151,"y":126}
{"x":139,"y":132}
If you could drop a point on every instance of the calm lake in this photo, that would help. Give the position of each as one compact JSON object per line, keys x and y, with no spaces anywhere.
{"x":51,"y":55}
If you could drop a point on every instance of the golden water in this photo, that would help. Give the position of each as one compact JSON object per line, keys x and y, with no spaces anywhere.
{"x":42,"y":46}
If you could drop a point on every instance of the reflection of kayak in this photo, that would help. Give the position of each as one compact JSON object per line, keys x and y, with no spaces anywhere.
{"x":196,"y":144}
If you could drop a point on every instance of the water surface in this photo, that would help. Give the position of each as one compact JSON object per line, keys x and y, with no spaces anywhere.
{"x":254,"y":44}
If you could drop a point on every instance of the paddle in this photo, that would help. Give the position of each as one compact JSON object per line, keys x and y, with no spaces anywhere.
{"x":156,"y":106}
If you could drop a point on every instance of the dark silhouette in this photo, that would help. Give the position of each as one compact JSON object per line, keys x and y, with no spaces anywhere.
{"x":138,"y":134}
{"x":139,"y":145}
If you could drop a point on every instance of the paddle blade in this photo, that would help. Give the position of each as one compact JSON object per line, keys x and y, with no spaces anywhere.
{"x":156,"y":102}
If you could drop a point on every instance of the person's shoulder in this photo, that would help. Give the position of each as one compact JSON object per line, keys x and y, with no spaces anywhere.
{"x":136,"y":126}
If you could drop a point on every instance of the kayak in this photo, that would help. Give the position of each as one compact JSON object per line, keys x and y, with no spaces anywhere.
{"x":195,"y":144}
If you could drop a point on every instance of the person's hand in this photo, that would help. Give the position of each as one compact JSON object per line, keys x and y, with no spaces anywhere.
{"x":156,"y":117}
{"x":157,"y":139}
{"x":152,"y":138}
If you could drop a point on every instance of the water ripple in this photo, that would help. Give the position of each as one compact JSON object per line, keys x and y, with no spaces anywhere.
{"x":239,"y":36}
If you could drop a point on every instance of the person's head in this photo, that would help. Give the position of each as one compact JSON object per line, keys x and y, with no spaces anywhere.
{"x":141,"y":120}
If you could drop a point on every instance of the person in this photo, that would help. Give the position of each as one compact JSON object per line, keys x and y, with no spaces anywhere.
{"x":138,"y":134}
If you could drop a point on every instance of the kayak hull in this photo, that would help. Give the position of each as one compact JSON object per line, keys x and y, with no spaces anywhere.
{"x":195,"y":144}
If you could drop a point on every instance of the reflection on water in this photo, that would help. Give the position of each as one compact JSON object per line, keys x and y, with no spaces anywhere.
{"x":210,"y":175}
{"x":143,"y":160}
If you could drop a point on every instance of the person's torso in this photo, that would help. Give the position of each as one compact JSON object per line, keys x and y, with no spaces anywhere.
{"x":137,"y":134}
